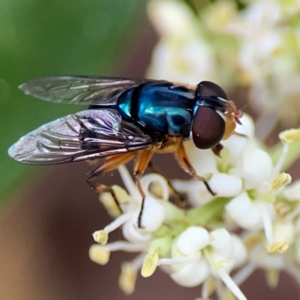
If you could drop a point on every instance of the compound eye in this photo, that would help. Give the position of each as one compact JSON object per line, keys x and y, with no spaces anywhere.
{"x":208,"y":88}
{"x":208,"y":128}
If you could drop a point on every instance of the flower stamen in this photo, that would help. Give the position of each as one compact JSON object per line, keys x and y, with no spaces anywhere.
{"x":231,"y":285}
{"x":208,"y":287}
{"x":128,"y":274}
{"x":279,"y":181}
{"x":99,"y":255}
{"x":277,"y":247}
{"x":150,"y":264}
{"x":215,"y":265}
{"x":290,"y":136}
{"x":127,"y":278}
{"x":100,"y":236}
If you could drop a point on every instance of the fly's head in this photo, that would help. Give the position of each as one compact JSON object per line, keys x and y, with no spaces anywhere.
{"x":215,"y":116}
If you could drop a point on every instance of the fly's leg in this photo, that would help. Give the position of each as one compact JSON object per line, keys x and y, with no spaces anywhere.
{"x":185,"y":164}
{"x":139,"y":169}
{"x":109,"y":164}
{"x":180,"y":200}
{"x":217,"y":149}
{"x":102,"y":188}
{"x":240,"y":134}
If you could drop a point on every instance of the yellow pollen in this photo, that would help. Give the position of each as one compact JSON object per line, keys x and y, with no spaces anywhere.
{"x":277,"y":247}
{"x":127,"y":278}
{"x":279,"y":181}
{"x":150,"y":264}
{"x":100,"y":237}
{"x":99,"y":255}
{"x":290,"y":136}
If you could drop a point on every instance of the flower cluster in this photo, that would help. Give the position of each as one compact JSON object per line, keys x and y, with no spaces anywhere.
{"x":255,"y":45}
{"x":199,"y":245}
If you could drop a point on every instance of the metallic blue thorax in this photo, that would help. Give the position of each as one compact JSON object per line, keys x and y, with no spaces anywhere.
{"x":159,"y":108}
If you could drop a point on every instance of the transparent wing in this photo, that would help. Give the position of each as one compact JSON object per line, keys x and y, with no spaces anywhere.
{"x":85,"y":135}
{"x":83,"y":90}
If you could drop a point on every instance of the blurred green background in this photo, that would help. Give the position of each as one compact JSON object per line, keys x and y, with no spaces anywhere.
{"x":42,"y":38}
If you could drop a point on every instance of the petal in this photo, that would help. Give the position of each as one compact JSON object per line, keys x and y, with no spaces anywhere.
{"x":292,"y":192}
{"x":225,"y":185}
{"x":153,"y":214}
{"x":247,"y":128}
{"x":192,"y":274}
{"x":158,"y":181}
{"x":221,"y":263}
{"x":222,"y":242}
{"x":256,"y":162}
{"x":192,"y":240}
{"x":284,"y":231}
{"x":244,"y":212}
{"x":260,"y":258}
{"x":240,"y":251}
{"x":197,"y":193}
{"x":203,"y":161}
{"x":133,"y":234}
{"x":236,"y":143}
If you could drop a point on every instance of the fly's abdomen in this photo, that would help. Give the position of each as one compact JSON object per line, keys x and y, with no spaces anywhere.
{"x":159,"y":108}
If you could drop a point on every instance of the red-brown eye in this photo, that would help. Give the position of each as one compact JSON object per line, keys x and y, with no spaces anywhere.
{"x":208,"y":128}
{"x":208,"y":88}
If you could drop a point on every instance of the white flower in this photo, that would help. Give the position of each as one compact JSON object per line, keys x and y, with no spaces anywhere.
{"x":268,"y":56}
{"x":256,"y":47}
{"x":198,"y":254}
{"x":180,"y":55}
{"x":137,"y":239}
{"x":197,"y":246}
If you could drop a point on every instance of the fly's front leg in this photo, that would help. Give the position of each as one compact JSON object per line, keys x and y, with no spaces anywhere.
{"x":139,"y":169}
{"x":102,"y":188}
{"x":109,"y":164}
{"x":217,"y":149}
{"x":187,"y":167}
{"x":241,"y":134}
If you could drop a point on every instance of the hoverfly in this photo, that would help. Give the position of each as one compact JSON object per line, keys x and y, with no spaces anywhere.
{"x":126,"y":119}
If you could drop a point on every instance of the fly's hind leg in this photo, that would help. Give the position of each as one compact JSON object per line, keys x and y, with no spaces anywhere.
{"x":139,"y":169}
{"x":187,"y":167}
{"x":109,"y":164}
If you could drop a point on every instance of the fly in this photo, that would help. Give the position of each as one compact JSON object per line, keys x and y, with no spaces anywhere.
{"x":126,"y":119}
